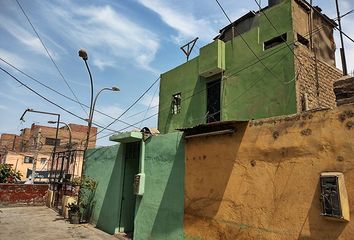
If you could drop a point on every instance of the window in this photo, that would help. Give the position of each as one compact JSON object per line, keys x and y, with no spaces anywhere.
{"x":28,"y":159}
{"x":51,"y":141}
{"x":304,"y":41}
{"x":43,"y":160}
{"x":334,"y":196}
{"x":213,"y":101}
{"x":176,"y":103}
{"x":275,"y":41}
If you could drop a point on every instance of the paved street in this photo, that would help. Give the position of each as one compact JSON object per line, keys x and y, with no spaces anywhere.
{"x":35,"y":223}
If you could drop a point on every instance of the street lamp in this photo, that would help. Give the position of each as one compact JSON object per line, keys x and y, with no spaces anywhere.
{"x":84,"y":56}
{"x":69,"y":128}
{"x":56,"y":133}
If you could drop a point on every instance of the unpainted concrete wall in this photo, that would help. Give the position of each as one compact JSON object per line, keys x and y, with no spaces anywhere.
{"x":263,"y":181}
{"x":23,"y":194}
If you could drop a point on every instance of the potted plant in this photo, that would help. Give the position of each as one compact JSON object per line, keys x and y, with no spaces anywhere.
{"x":74,"y":213}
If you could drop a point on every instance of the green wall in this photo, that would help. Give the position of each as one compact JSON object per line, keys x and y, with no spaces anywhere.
{"x":159,"y":213}
{"x":104,"y":165}
{"x":249,"y":90}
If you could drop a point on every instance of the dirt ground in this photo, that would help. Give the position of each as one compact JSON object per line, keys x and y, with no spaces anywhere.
{"x":35,"y":223}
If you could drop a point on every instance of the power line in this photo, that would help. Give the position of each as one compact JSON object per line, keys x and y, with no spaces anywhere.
{"x":244,"y":40}
{"x":50,"y":101}
{"x":49,"y":55}
{"x":57,"y":92}
{"x":152,"y":99}
{"x":250,"y":65}
{"x":271,"y":23}
{"x":132,"y":105}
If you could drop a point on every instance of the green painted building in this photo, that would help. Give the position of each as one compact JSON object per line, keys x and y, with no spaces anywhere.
{"x":155,"y":211}
{"x":248,"y":72}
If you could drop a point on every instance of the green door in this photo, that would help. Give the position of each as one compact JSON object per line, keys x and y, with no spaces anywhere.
{"x":130,"y":169}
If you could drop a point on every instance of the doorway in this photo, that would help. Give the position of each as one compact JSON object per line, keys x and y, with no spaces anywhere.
{"x":213,"y":101}
{"x":130,"y":169}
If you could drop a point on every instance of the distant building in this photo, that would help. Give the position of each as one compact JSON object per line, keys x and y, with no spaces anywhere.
{"x":277,"y":61}
{"x":19,"y":150}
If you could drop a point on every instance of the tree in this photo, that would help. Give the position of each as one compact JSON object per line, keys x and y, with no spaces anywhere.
{"x":8,"y":174}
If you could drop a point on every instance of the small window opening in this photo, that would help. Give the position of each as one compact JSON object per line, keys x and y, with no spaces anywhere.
{"x":275,"y":41}
{"x":43,"y":160}
{"x":52,"y":141}
{"x":28,"y":159}
{"x":176,"y":103}
{"x":304,"y":41}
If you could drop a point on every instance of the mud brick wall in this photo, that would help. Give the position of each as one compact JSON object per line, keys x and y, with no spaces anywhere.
{"x":319,"y":92}
{"x":22,"y":194}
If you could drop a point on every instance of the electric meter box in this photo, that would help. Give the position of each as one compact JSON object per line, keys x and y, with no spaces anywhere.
{"x":139,"y":184}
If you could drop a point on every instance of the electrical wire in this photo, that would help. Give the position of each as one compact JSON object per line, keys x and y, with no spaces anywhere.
{"x":50,"y":101}
{"x":244,"y":40}
{"x":50,"y":56}
{"x":59,"y":93}
{"x":248,"y":66}
{"x":132,"y":105}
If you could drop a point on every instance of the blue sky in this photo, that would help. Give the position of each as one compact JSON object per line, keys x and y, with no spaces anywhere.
{"x":130,"y":42}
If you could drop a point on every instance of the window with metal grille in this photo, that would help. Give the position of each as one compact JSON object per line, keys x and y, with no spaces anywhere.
{"x":330,"y":197}
{"x":176,"y":103}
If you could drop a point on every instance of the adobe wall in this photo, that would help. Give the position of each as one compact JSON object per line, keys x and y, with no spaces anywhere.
{"x":263,"y":181}
{"x":22,"y":194}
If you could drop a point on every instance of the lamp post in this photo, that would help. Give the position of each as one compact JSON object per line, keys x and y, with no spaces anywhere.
{"x":84,"y":56}
{"x":56,"y":133}
{"x":70,"y":131}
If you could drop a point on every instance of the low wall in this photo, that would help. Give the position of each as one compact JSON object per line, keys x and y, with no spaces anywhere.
{"x":262,"y":182}
{"x":22,"y":194}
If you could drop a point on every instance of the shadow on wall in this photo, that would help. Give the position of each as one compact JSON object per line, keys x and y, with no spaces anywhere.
{"x":208,"y":172}
{"x":108,"y":218}
{"x":320,"y":227}
{"x":172,"y":200}
{"x":160,"y":212}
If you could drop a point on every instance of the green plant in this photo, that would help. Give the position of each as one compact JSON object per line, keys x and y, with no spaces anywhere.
{"x":73,"y":208}
{"x":8,"y":174}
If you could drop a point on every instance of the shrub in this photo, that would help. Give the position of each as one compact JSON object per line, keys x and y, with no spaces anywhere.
{"x":8,"y":174}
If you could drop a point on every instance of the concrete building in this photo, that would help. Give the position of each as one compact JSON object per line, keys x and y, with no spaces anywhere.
{"x":276,"y":61}
{"x":19,"y":150}
{"x":249,"y":149}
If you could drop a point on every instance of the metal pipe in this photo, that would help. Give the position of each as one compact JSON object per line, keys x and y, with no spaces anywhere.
{"x":342,"y":50}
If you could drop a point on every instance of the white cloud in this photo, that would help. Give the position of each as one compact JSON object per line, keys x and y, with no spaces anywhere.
{"x":111,"y":110}
{"x":27,"y":38}
{"x":13,"y":59}
{"x":108,"y":35}
{"x":2,"y":107}
{"x":187,"y":25}
{"x":149,"y":100}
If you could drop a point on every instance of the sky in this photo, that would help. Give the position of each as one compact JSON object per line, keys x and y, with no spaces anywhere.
{"x":129,"y":42}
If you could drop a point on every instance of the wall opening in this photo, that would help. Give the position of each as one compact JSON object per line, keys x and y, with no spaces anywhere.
{"x":304,"y":41}
{"x":130,"y":169}
{"x":176,"y":103}
{"x":275,"y":41}
{"x":213,"y":101}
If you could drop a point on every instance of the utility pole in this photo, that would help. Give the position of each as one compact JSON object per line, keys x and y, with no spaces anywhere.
{"x":342,"y":51}
{"x":37,"y":146}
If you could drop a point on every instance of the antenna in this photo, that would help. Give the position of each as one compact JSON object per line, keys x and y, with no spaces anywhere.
{"x":187,"y":49}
